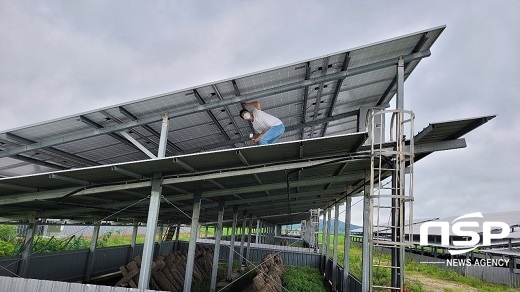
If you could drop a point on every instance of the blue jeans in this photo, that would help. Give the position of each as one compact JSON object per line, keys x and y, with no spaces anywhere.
{"x":272,"y":134}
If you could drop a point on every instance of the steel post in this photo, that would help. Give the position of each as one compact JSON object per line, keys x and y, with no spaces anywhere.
{"x":232,"y":244}
{"x":27,"y":248}
{"x":177,"y":233}
{"x":91,"y":253}
{"x":151,"y":223}
{"x":241,"y":260}
{"x":335,"y":249}
{"x":348,"y":222}
{"x":194,"y":232}
{"x":366,"y":271}
{"x":132,"y":242}
{"x":257,"y":239}
{"x":216,"y":252}
{"x":249,"y":239}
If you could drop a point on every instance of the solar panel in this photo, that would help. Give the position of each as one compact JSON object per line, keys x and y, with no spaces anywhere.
{"x":280,"y":91}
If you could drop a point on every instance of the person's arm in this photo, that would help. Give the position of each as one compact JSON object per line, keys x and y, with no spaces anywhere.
{"x":257,"y":139}
{"x":253,"y":103}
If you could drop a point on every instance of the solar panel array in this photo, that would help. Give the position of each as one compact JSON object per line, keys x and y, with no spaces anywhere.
{"x":218,"y":127}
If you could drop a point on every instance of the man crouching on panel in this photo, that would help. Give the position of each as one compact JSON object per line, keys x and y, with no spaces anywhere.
{"x":269,"y":127}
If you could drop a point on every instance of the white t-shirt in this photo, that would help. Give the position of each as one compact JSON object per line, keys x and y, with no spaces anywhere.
{"x":263,"y":121}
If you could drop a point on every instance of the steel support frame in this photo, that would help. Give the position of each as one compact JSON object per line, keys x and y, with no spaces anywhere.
{"x":151,"y":223}
{"x":229,"y":276}
{"x":23,"y":268}
{"x":217,"y":104}
{"x":366,"y":269}
{"x":216,"y":251}
{"x":346,"y":247}
{"x":190,"y":260}
{"x":241,"y":258}
{"x":91,"y":253}
{"x":133,"y":240}
{"x":335,"y":249}
{"x":249,"y":240}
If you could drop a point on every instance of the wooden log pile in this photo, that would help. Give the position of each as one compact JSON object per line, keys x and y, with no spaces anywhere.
{"x":269,"y":274}
{"x":168,"y":271}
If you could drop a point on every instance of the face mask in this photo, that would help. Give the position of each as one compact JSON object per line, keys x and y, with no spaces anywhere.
{"x":246,"y":116}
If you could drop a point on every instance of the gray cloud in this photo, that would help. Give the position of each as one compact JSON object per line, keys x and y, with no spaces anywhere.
{"x":60,"y":58}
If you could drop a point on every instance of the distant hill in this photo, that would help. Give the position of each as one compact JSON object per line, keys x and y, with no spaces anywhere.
{"x":341,"y":226}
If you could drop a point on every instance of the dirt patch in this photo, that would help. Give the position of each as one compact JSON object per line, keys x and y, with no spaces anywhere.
{"x":435,"y":285}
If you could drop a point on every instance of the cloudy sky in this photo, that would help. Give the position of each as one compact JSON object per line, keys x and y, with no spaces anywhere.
{"x":59,"y":58}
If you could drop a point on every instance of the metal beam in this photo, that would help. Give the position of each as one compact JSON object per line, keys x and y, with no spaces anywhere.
{"x":217,"y":104}
{"x":232,"y":245}
{"x":216,"y":251}
{"x":305,"y":96}
{"x":324,"y":68}
{"x":127,"y":172}
{"x":52,"y":150}
{"x":211,"y":115}
{"x":50,"y":194}
{"x":337,"y":90}
{"x":131,"y":116}
{"x":163,"y":139}
{"x":217,"y":93}
{"x":69,"y":179}
{"x":138,"y":145}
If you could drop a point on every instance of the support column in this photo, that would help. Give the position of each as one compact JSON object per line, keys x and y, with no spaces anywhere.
{"x":160,"y":230}
{"x":216,"y":252}
{"x":346,"y":261}
{"x":335,"y":249}
{"x":327,"y":249}
{"x":151,"y":223}
{"x":257,"y":239}
{"x":242,"y":239}
{"x":194,"y":232}
{"x":323,"y":234}
{"x":91,"y":252}
{"x":249,"y":239}
{"x":206,"y":232}
{"x":132,"y":242}
{"x":28,"y":245}
{"x":163,"y":140}
{"x":177,"y":233}
{"x":232,"y":244}
{"x":367,"y":237}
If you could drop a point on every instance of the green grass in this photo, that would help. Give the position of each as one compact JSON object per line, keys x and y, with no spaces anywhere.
{"x":382,"y":276}
{"x":304,"y":279}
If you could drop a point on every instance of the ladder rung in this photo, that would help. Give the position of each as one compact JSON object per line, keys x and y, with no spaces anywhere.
{"x":383,"y":266}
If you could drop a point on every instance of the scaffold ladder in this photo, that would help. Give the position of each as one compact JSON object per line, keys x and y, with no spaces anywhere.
{"x":390,"y":202}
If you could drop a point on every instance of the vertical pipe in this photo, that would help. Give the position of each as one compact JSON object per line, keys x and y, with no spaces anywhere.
{"x":327,"y":255}
{"x":132,"y":242}
{"x":151,"y":222}
{"x":216,"y":252}
{"x":242,"y":239}
{"x":28,"y":245}
{"x":232,"y":244}
{"x":257,"y":239}
{"x":348,"y":222}
{"x":91,"y":253}
{"x":366,"y":271}
{"x":335,"y":249}
{"x":249,"y":239}
{"x":194,"y":232}
{"x":323,"y":234}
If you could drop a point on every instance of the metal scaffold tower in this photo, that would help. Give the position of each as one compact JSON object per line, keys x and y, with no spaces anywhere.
{"x":390,"y":204}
